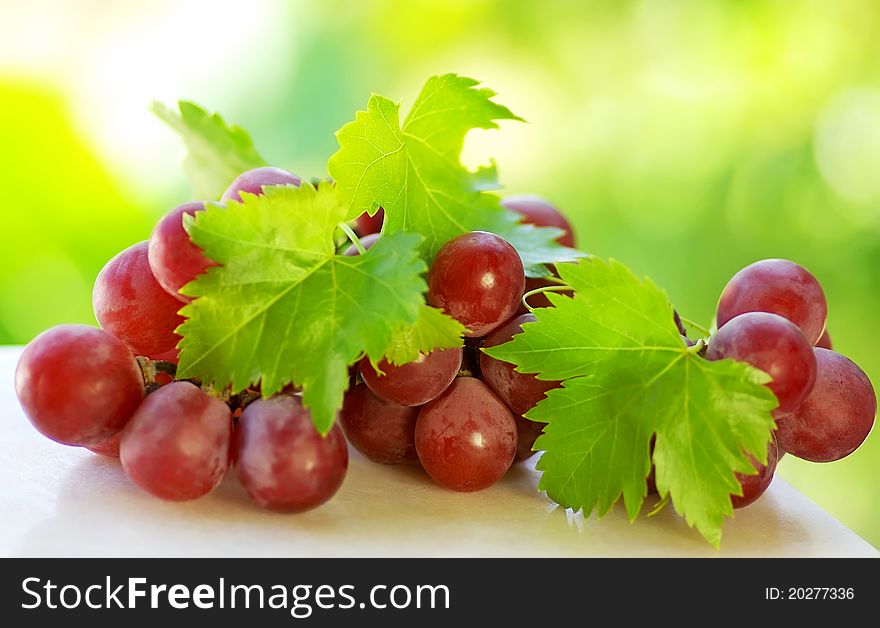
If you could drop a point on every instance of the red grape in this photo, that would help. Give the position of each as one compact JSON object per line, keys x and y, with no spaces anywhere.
{"x":367,"y":224}
{"x":774,"y":345}
{"x":109,"y":447}
{"x":754,"y":485}
{"x":527,"y":433}
{"x":539,"y":212}
{"x":780,"y":287}
{"x":78,"y":385}
{"x":478,"y":279}
{"x":836,"y":416}
{"x":519,"y":391}
{"x":466,"y":438}
{"x":174,"y":259}
{"x":414,"y":383}
{"x":825,"y":341}
{"x":381,"y":430}
{"x":176,"y":445}
{"x":283,"y":462}
{"x":368,"y":241}
{"x":130,"y":304}
{"x":253,"y":181}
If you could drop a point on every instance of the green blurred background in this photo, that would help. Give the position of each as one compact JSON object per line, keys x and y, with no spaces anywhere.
{"x":685,"y":138}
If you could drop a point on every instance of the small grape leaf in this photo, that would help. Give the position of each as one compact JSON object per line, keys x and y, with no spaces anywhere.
{"x":282,"y":307}
{"x":432,"y":330}
{"x":628,"y":376}
{"x":414,"y":171}
{"x":217,"y":152}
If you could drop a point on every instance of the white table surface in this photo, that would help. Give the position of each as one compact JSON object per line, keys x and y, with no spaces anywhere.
{"x":65,"y":501}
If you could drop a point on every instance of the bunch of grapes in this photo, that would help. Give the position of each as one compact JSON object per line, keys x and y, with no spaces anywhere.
{"x":456,"y":412}
{"x":112,"y":390}
{"x":771,"y":315}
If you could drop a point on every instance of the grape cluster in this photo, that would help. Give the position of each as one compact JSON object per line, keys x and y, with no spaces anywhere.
{"x":771,"y":315}
{"x":112,"y":390}
{"x":458,"y":412}
{"x":109,"y":389}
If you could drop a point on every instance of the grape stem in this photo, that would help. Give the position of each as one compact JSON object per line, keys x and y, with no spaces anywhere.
{"x":699,"y":347}
{"x":559,"y":288}
{"x":169,"y":368}
{"x":151,"y":368}
{"x":353,"y":237}
{"x":703,"y":330}
{"x":659,"y":506}
{"x":243,"y":399}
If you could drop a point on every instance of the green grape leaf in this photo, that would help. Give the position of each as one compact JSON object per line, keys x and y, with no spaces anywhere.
{"x":283,"y":308}
{"x":414,"y":171}
{"x":628,"y":377}
{"x":217,"y":152}
{"x":432,"y":330}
